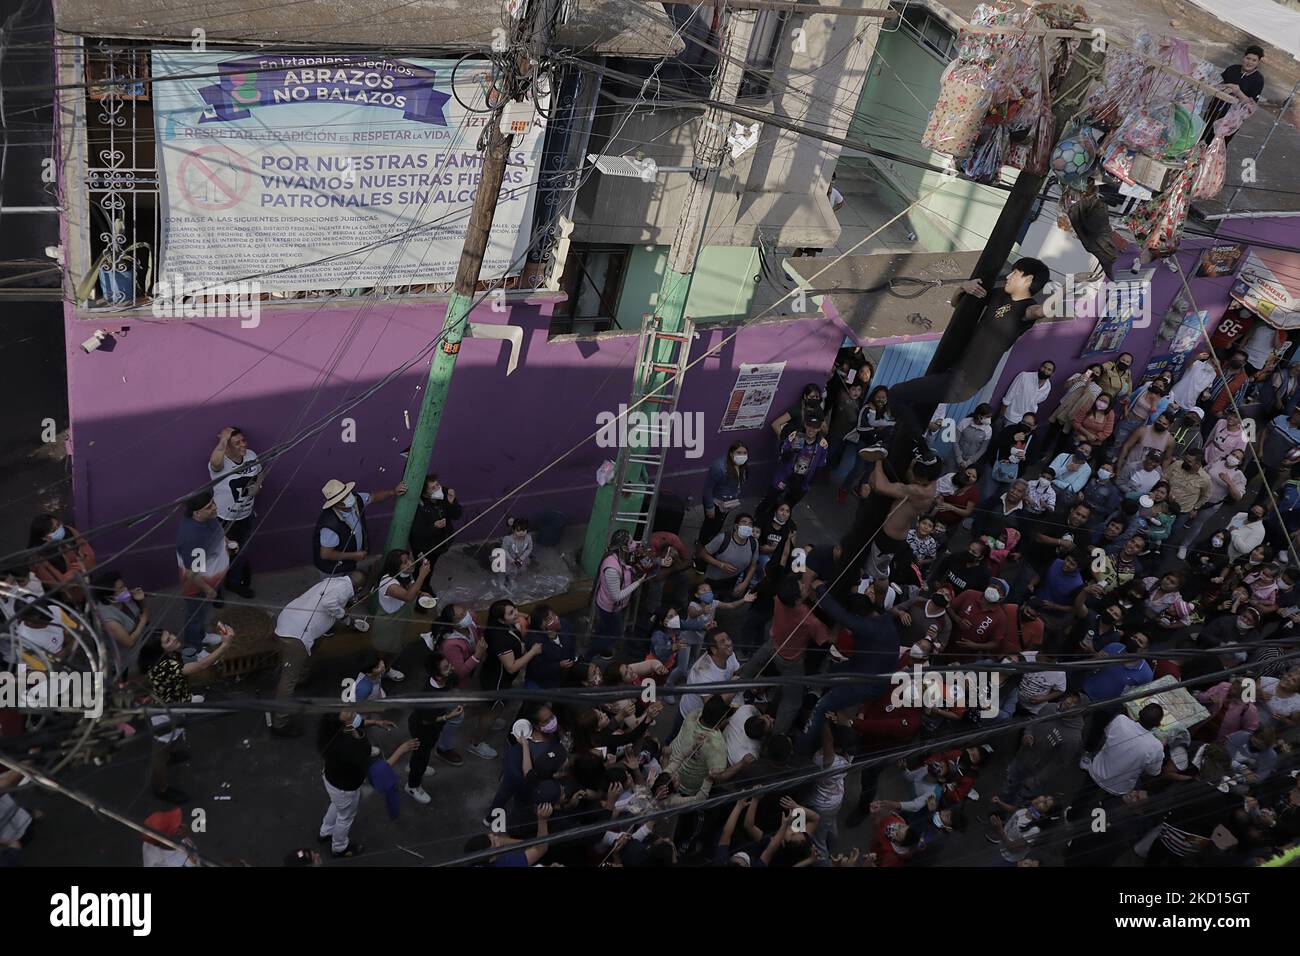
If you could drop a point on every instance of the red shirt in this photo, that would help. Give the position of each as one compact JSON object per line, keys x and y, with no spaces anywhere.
{"x":971,"y":493}
{"x":793,"y":628}
{"x":977,"y":623}
{"x":1018,"y":635}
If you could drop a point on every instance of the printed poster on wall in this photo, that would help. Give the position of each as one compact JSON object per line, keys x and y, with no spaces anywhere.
{"x":1220,"y":260}
{"x":1117,"y":304}
{"x":1188,"y":337}
{"x":328,"y":172}
{"x":752,"y":396}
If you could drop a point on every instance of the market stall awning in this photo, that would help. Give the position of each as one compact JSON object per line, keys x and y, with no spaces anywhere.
{"x":1269,"y":285}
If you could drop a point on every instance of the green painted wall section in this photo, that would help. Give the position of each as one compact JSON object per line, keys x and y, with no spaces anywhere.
{"x":722,"y":290}
{"x":891,"y":114}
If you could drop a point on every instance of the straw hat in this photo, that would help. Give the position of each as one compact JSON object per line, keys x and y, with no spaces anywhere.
{"x":335,"y":491}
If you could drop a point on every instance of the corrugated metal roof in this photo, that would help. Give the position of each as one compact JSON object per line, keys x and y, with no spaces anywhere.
{"x":609,"y":27}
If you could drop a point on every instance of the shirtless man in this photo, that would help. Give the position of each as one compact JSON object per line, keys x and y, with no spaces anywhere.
{"x":914,"y":498}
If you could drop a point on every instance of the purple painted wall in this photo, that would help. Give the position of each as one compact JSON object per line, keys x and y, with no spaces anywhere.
{"x":145,"y":416}
{"x":1063,"y":341}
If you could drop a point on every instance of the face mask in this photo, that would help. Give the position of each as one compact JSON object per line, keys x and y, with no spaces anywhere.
{"x":438,"y":494}
{"x":1103,"y":474}
{"x":992,"y":595}
{"x":1123,"y":366}
{"x":744,"y":531}
{"x":404,"y":575}
{"x":1234,"y":462}
{"x":357,"y":722}
{"x":917,"y":653}
{"x":551,"y":726}
{"x":467,"y":620}
{"x":349,"y":502}
{"x":121,"y":597}
{"x":59,"y":533}
{"x":740,"y":458}
{"x":672,"y":623}
{"x":1102,"y":406}
{"x":706,"y":597}
{"x":1244,"y":625}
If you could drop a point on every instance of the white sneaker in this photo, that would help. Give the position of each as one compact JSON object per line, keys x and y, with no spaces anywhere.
{"x":196,"y":698}
{"x":1182,"y":554}
{"x":482,"y":749}
{"x":375,"y":751}
{"x":419,"y":795}
{"x":429,"y":771}
{"x":395,"y":675}
{"x":211,"y":640}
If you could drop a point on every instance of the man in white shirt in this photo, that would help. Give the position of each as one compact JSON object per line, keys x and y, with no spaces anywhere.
{"x":303,"y":622}
{"x":1131,"y":751}
{"x":235,"y":468}
{"x":1027,"y":391}
{"x":1198,"y":377}
{"x":739,"y":732}
{"x":714,"y":667}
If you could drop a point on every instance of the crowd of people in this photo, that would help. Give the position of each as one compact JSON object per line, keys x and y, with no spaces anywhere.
{"x":1080,"y":539}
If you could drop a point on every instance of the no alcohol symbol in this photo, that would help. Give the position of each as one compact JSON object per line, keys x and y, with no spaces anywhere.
{"x":213,"y":178}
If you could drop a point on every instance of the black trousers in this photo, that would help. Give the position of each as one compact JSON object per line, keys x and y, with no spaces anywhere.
{"x":240,"y":574}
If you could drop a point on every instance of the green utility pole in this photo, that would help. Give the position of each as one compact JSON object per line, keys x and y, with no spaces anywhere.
{"x":670,"y":306}
{"x":496,"y":153}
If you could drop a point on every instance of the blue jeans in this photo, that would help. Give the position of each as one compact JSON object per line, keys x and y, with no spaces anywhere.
{"x":450,"y":729}
{"x":848,"y":460}
{"x":837,"y":699}
{"x":607,"y":632}
{"x":194,"y":629}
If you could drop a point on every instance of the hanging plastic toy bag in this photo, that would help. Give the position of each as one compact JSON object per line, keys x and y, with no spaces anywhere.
{"x":1213,"y":169}
{"x":1212,"y":172}
{"x":1145,"y":132}
{"x":1158,"y":222}
{"x":959,"y":111}
{"x":986,"y":161}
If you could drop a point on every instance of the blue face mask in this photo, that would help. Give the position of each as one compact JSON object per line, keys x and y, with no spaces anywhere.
{"x":357,"y":722}
{"x":706,"y":597}
{"x":59,"y":533}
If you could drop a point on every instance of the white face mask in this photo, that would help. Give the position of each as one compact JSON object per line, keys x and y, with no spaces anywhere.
{"x":992,"y":595}
{"x":349,"y":502}
{"x":740,"y":458}
{"x":744,"y":531}
{"x":467,"y":620}
{"x":1103,"y":474}
{"x":438,"y":494}
{"x":673,"y":623}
